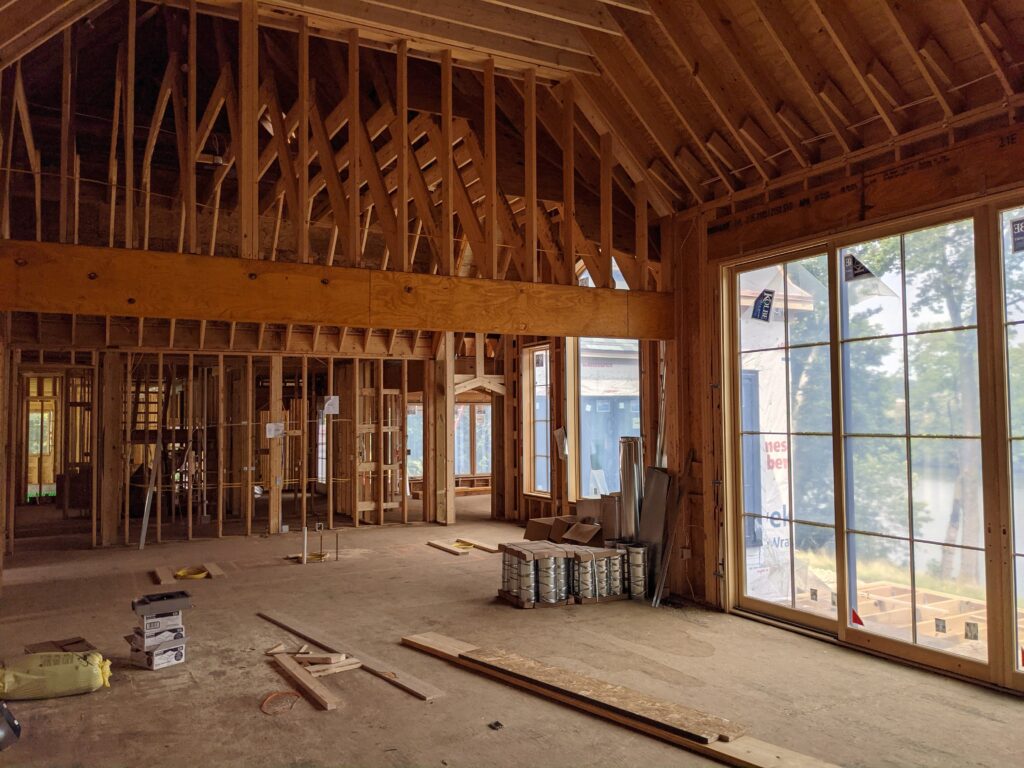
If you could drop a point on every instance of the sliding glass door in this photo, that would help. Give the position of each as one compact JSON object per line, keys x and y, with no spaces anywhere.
{"x":877,"y":433}
{"x":788,"y":521}
{"x":912,"y":439}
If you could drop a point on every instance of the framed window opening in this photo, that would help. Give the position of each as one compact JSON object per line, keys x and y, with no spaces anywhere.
{"x":536,"y":389}
{"x":603,"y":386}
{"x":943,"y":294}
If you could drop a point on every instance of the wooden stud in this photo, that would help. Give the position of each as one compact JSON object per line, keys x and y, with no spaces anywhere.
{"x":112,"y":158}
{"x":275,"y":445}
{"x":221,"y":436}
{"x":248,"y":155}
{"x":530,"y":166}
{"x":129,"y":129}
{"x":568,"y":173}
{"x":249,"y":469}
{"x":329,"y":447}
{"x":447,"y":165}
{"x":605,"y":194}
{"x":162,"y":410}
{"x":380,"y":457}
{"x":354,"y":171}
{"x":67,"y":139}
{"x":189,"y":182}
{"x":303,"y":161}
{"x":490,"y":174}
{"x":400,"y":131}
{"x":304,"y":436}
{"x":190,"y":442}
{"x":640,"y":204}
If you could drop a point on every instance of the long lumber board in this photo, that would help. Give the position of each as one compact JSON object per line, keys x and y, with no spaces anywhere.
{"x":743,"y":751}
{"x":313,"y":688}
{"x":418,"y":688}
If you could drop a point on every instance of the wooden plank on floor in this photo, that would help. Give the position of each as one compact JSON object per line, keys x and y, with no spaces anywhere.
{"x":164,"y":575}
{"x":215,"y":571}
{"x":418,"y":688}
{"x":744,"y":751}
{"x":479,"y":545}
{"x":682,"y":721}
{"x":312,"y":687}
{"x":451,"y":549}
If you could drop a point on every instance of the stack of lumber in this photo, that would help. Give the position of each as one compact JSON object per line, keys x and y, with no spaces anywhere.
{"x":542,"y":573}
{"x":303,"y":667}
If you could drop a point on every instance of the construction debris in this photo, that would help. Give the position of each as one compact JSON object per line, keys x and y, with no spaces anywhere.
{"x":159,"y":639}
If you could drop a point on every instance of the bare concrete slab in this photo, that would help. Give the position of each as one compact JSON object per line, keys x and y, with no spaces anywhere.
{"x":800,"y":693}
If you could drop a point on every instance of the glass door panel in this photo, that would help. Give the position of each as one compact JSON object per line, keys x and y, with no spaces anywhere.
{"x":785,"y":404}
{"x":912,"y":439}
{"x":1011,"y":226}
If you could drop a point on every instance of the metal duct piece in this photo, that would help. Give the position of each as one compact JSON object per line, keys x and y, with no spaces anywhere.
{"x":631,"y":485}
{"x":547,"y":588}
{"x":638,"y":572}
{"x":527,"y":581}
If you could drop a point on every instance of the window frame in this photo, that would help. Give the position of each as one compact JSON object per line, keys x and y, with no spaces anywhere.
{"x":1000,"y":668}
{"x":529,"y":447}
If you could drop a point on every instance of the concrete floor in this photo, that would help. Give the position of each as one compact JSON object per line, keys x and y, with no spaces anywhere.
{"x":801,"y":693}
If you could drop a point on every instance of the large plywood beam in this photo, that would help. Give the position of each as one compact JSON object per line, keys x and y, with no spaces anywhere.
{"x":48,"y":277}
{"x":974,"y":167}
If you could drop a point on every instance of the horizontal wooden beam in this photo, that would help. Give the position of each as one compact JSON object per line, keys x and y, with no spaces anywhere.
{"x":46,"y":277}
{"x":966,"y":170}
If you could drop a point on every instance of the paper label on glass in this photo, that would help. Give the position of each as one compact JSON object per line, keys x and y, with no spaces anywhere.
{"x":763,"y":306}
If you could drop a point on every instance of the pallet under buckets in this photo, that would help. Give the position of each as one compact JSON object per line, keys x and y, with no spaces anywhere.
{"x":540,"y":573}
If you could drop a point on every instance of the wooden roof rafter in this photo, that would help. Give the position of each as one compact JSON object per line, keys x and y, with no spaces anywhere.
{"x":821,"y":89}
{"x":700,"y":64}
{"x":882,"y":90}
{"x":914,"y":38}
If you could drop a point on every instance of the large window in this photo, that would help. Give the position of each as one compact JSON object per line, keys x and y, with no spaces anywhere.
{"x":472,"y":439}
{"x":414,"y":438}
{"x":897,"y":318}
{"x":608,"y":404}
{"x":1012,"y":243}
{"x":914,"y":512}
{"x":537,"y":419}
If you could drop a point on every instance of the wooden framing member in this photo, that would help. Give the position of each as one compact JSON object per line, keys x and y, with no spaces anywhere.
{"x":530,"y":167}
{"x":353,"y":240}
{"x":47,"y":277}
{"x":808,"y":70}
{"x":221,"y":436}
{"x":446,"y":162}
{"x":488,"y":260}
{"x":190,"y":442}
{"x":303,"y":145}
{"x":275,"y":445}
{"x":129,"y":128}
{"x":248,"y":155}
{"x":400,"y":133}
{"x":249,"y":468}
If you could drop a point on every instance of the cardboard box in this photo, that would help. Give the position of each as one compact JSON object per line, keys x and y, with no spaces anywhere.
{"x":584,"y":533}
{"x":538,"y":529}
{"x":159,"y":622}
{"x":560,"y":525}
{"x":167,"y":657}
{"x":610,"y":516}
{"x":151,"y":641}
{"x":588,"y":508}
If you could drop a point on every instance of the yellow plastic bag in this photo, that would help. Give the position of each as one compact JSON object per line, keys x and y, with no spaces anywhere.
{"x":48,"y":675}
